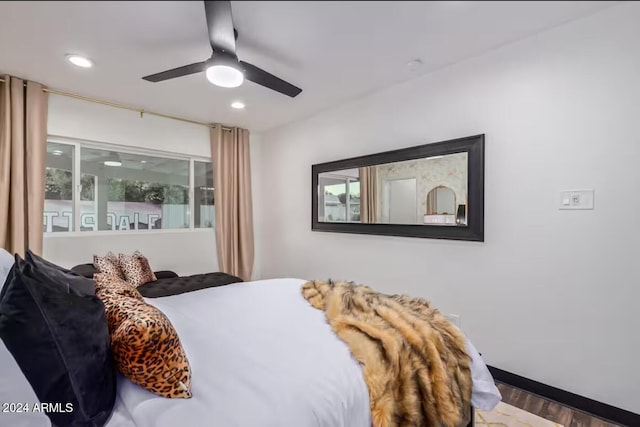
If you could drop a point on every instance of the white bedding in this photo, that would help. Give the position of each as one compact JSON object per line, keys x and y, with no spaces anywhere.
{"x":260,"y":356}
{"x":246,"y":369}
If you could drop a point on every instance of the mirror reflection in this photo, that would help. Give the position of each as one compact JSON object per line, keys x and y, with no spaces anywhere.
{"x":427,"y":191}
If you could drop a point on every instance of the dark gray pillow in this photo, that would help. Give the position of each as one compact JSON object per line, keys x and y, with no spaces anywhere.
{"x":79,"y":283}
{"x":59,"y":338}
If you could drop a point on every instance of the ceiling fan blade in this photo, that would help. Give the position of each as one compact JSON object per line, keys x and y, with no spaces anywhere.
{"x":220,"y":25}
{"x":268,"y":80}
{"x":176,"y":72}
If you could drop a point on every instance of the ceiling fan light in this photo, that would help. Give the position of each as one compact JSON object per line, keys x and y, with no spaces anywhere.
{"x":225,"y":76}
{"x":113,"y":160}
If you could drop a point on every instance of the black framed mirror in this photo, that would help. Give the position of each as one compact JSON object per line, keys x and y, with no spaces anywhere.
{"x":431,"y":191}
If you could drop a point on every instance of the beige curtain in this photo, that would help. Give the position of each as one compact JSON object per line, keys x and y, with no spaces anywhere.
{"x":234,"y":215}
{"x":23,"y":149}
{"x":368,"y":194}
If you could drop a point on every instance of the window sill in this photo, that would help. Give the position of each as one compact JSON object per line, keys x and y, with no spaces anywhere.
{"x":125,"y":232}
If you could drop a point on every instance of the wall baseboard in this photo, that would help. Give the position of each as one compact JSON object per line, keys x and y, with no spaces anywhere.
{"x":581,"y":403}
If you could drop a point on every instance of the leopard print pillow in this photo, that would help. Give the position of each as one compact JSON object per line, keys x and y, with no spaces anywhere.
{"x":109,"y":264}
{"x":136,"y":269}
{"x":145,"y":346}
{"x":146,"y":267}
{"x":108,"y":289}
{"x":111,"y":284}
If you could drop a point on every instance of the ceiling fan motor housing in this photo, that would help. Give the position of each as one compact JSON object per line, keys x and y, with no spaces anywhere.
{"x":224,"y":58}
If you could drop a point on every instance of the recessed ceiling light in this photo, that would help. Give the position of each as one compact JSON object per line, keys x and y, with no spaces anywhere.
{"x":143,"y":161}
{"x":237,"y":105}
{"x":56,"y":152}
{"x":79,"y":61}
{"x":112,"y":163}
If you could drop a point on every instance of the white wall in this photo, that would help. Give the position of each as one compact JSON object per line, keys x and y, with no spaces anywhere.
{"x":181,"y":251}
{"x":551,"y":294}
{"x":449,"y":171}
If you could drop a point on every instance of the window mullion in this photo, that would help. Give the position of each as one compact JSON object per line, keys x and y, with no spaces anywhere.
{"x":76,"y":174}
{"x":347,"y":201}
{"x":191,"y":195}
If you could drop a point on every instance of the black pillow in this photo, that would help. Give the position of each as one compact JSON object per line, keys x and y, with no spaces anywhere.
{"x":8,"y":280}
{"x":76,"y":281}
{"x":59,"y":338}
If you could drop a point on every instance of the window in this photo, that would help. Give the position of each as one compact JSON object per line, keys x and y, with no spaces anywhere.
{"x":58,"y":189}
{"x":117,"y":190}
{"x":341,"y":198}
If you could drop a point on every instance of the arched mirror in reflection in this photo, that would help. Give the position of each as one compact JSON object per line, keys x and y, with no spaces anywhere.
{"x":441,"y":206}
{"x":441,"y":201}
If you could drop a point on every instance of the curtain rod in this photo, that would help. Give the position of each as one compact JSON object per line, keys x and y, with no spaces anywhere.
{"x":127,"y":107}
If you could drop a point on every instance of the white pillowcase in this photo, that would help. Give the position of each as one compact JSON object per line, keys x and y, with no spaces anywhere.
{"x":6,"y":262}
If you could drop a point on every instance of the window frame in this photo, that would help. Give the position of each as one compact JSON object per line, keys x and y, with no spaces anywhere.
{"x":347,"y":180}
{"x":76,"y":173}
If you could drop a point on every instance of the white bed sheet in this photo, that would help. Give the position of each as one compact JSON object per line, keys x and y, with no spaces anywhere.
{"x":246,"y":370}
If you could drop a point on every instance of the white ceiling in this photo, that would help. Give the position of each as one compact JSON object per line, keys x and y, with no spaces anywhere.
{"x":334,"y":51}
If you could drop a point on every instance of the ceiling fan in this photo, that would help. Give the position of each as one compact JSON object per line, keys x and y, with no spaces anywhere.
{"x":223,"y":67}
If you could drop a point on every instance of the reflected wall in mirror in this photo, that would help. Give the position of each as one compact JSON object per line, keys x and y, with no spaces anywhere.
{"x":431,"y":186}
{"x":421,"y":191}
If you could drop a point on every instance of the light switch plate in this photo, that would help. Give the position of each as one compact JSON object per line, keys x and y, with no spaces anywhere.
{"x":576,"y":199}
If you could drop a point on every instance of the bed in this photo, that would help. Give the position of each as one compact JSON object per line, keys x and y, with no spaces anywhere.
{"x":260,"y":356}
{"x":169,"y":283}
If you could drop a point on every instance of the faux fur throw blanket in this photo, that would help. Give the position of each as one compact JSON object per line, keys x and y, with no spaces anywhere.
{"x":413,"y":359}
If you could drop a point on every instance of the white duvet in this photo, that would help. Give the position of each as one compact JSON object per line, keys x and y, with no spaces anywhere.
{"x":261,"y":356}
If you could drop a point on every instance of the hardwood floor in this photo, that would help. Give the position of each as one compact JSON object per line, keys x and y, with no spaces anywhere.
{"x":549,"y":409}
